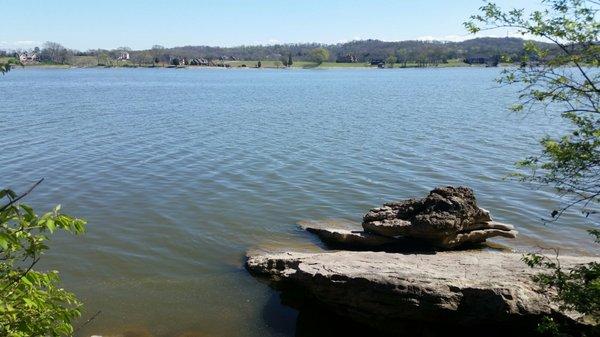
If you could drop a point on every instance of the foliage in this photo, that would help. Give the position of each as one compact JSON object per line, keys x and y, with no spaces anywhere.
{"x":565,"y":79}
{"x":144,"y":57}
{"x":568,"y":82}
{"x":391,"y":60}
{"x":402,"y":56}
{"x":6,"y":66}
{"x":415,"y":52}
{"x":31,"y":301}
{"x":431,"y":51}
{"x":55,"y":53}
{"x":319,"y":55}
{"x":576,"y":289}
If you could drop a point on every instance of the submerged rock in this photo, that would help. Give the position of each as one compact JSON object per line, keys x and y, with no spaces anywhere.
{"x":385,"y":291}
{"x":448,"y":217}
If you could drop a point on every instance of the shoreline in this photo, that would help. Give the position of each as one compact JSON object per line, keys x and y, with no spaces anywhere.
{"x":326,"y":67}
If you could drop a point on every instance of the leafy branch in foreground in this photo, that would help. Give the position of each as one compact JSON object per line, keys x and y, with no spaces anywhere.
{"x":31,"y":302}
{"x":575,"y":289}
{"x":6,"y":66}
{"x":563,"y":79}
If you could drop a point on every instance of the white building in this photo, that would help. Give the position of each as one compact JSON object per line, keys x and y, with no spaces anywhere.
{"x":124,"y":56}
{"x":28,"y":57}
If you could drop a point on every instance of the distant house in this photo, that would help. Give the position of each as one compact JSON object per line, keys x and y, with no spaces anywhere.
{"x":475,"y":60}
{"x":348,"y":58}
{"x":28,"y":57}
{"x":124,"y":56}
{"x":227,"y":58}
{"x":488,"y":61}
{"x":199,"y":62}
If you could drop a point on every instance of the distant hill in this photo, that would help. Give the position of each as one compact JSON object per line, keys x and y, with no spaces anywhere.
{"x":360,"y":51}
{"x":420,"y":53}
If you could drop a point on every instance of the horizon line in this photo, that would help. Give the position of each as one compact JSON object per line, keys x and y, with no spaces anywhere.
{"x":28,"y":45}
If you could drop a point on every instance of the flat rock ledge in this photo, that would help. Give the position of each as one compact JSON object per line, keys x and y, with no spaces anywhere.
{"x":359,"y":240}
{"x":385,"y":291}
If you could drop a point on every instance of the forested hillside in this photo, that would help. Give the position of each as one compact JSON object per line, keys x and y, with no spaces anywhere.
{"x":421,"y":52}
{"x":361,"y":51}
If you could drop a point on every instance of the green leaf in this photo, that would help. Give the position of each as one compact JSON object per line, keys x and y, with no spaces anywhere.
{"x":28,"y":210}
{"x":11,"y":194}
{"x":3,"y":241}
{"x":50,"y":225}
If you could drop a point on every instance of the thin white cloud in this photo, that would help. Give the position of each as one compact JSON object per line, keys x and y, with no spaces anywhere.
{"x":20,"y":44}
{"x":448,"y":38}
{"x":273,"y":41}
{"x":459,"y":38}
{"x":25,"y":43}
{"x":355,"y":38}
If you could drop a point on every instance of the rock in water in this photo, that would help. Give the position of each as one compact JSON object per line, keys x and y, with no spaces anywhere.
{"x":466,"y":289}
{"x":344,"y":238}
{"x":448,"y":217}
{"x":357,"y":239}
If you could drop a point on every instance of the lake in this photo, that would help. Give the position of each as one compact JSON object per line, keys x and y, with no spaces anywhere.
{"x":180,"y":172}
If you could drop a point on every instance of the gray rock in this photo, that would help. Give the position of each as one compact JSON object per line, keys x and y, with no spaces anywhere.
{"x":447,"y":218}
{"x":351,"y":238}
{"x":383,"y":290}
{"x":356,"y":239}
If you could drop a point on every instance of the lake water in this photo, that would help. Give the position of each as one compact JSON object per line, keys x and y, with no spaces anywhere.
{"x":180,"y":172}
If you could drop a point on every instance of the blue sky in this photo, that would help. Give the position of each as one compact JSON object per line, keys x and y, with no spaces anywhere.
{"x":138,"y":24}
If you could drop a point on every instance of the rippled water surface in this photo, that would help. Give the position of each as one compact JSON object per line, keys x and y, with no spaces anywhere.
{"x":180,"y":172}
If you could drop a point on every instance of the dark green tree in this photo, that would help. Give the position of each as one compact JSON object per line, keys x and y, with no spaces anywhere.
{"x":402,"y":57}
{"x":390,"y":61}
{"x":319,"y":55}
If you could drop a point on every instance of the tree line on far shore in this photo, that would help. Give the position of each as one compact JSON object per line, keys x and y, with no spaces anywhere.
{"x":420,"y":53}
